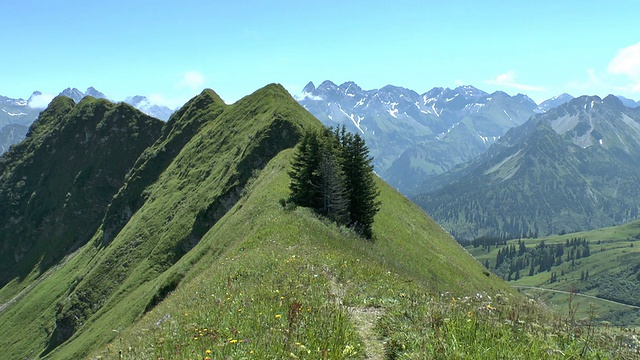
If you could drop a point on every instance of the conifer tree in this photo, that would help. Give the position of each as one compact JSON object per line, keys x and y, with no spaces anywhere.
{"x":304,"y":172}
{"x":331,"y":186}
{"x":360,"y":183}
{"x":332,"y":174}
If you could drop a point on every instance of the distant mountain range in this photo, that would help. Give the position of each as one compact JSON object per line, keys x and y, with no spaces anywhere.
{"x":413,"y":135}
{"x":11,"y":134}
{"x":24,"y":112}
{"x":574,"y":167}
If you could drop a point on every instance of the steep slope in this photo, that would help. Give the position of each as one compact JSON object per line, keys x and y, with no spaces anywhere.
{"x":56,"y":185}
{"x":10,"y":135}
{"x":261,"y":264}
{"x":569,"y":169}
{"x":179,"y":130}
{"x":199,"y":185}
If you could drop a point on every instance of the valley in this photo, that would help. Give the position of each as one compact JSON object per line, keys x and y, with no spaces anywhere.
{"x":604,"y":282}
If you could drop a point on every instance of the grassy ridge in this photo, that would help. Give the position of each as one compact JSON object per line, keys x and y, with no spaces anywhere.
{"x":292,"y":285}
{"x":56,"y":185}
{"x":112,"y":283}
{"x":286,"y":273}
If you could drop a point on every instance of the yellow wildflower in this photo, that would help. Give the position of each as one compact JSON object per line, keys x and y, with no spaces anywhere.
{"x":208,"y":352}
{"x":278,"y":316}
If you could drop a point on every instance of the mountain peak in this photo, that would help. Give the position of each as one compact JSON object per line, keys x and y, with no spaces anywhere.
{"x":309,"y":88}
{"x":212,"y":95}
{"x":91,"y":91}
{"x":613,"y":101}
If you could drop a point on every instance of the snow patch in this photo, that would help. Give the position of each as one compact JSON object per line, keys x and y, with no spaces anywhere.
{"x":352,"y":118}
{"x":505,"y":112}
{"x":14,"y":114}
{"x":428,"y":100}
{"x":449,"y":99}
{"x":475,"y":107}
{"x":359,"y":103}
{"x":393,"y":112}
{"x":600,"y":141}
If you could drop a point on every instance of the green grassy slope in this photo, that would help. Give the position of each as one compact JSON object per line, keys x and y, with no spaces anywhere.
{"x":264,"y":274}
{"x":56,"y":185}
{"x":203,"y":181}
{"x":268,"y":282}
{"x":613,"y":268}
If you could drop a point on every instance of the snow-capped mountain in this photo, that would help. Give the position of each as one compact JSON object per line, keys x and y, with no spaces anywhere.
{"x":410,"y":134}
{"x":553,"y":102}
{"x":143,"y":104}
{"x":572,"y":168}
{"x":16,"y":111}
{"x":10,"y":135}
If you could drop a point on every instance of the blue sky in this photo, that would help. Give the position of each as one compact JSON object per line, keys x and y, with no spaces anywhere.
{"x":170,"y":51}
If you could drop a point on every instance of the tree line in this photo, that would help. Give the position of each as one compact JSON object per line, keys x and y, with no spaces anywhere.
{"x":512,"y":259}
{"x":332,"y":174}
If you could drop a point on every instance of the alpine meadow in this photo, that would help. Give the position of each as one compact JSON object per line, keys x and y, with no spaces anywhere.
{"x":242,"y":231}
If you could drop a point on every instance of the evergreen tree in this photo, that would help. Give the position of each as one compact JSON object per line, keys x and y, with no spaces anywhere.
{"x":360,"y":182}
{"x":304,"y":172}
{"x":332,"y":174}
{"x":334,"y":202}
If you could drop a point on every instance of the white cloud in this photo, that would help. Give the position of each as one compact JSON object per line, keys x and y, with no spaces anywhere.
{"x":459,"y":82}
{"x":593,"y":83}
{"x":306,"y":95}
{"x":40,"y":101}
{"x":508,"y":79}
{"x":627,"y":63}
{"x":192,"y":79}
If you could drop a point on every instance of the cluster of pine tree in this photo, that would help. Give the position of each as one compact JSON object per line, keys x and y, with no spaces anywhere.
{"x":332,"y":174}
{"x":511,"y":258}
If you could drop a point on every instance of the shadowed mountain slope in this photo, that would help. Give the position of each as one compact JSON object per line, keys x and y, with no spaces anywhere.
{"x":56,"y":185}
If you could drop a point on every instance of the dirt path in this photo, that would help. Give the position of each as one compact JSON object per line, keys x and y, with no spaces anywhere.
{"x":364,"y":319}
